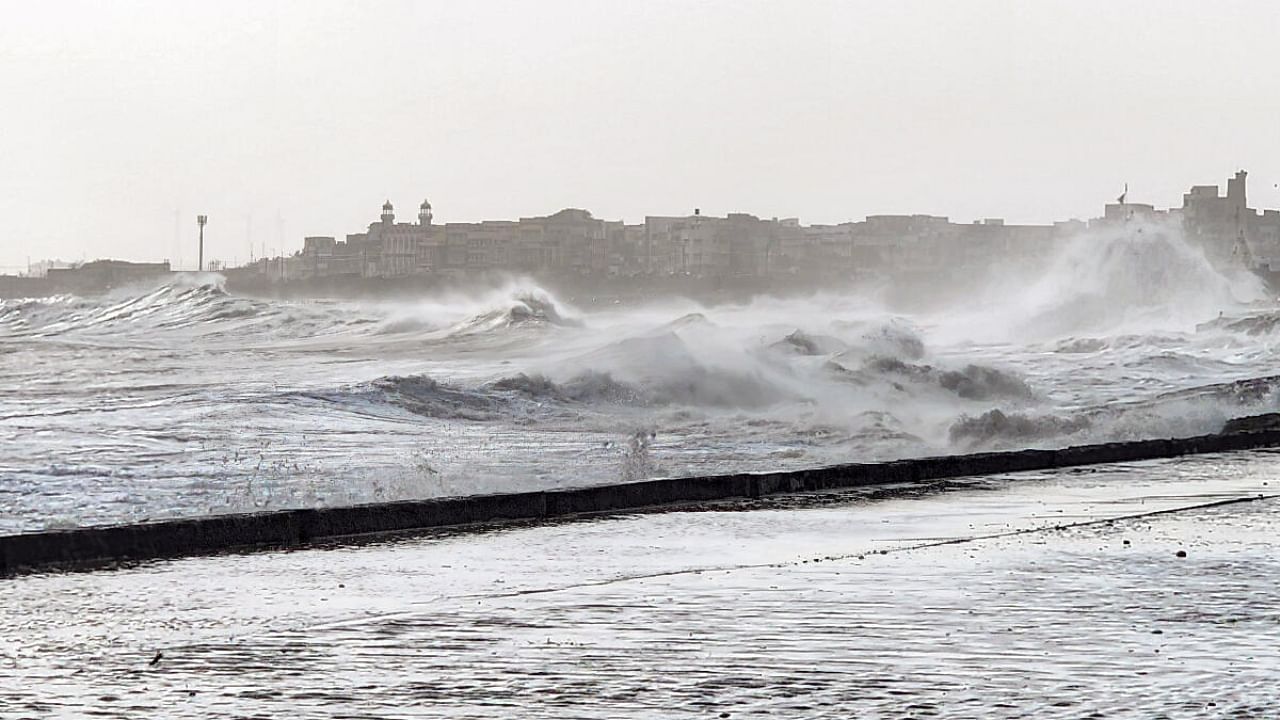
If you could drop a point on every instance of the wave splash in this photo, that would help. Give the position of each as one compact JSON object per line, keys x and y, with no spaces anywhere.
{"x":1137,"y":278}
{"x":201,"y":306}
{"x":166,"y":307}
{"x":526,"y":308}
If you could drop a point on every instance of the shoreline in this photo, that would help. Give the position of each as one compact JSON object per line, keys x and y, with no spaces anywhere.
{"x":104,"y":546}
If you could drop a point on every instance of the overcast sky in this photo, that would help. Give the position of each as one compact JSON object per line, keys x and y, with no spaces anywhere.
{"x":121,"y":121}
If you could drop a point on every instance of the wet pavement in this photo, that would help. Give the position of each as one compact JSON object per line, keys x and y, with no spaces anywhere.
{"x":1042,"y":595}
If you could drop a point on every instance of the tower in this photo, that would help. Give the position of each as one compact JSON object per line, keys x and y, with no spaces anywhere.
{"x":388,"y":213}
{"x":424,"y":213}
{"x":1238,"y":202}
{"x":201,"y":220}
{"x":1236,"y":190}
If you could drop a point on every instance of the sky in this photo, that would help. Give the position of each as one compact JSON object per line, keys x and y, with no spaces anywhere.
{"x":121,"y":121}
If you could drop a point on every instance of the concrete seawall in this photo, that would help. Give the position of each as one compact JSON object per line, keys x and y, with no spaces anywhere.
{"x":98,"y":546}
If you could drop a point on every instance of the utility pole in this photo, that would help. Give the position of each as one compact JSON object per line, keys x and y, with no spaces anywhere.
{"x":201,"y":220}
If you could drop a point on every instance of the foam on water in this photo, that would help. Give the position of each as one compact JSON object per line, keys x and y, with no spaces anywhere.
{"x":169,"y":399}
{"x":976,"y":602}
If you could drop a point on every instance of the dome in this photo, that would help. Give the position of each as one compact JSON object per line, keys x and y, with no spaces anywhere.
{"x":387,"y":206}
{"x":426,"y":205}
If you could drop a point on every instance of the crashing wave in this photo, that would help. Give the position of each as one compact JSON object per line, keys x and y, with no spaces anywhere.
{"x":589,"y":387}
{"x":1140,"y":275}
{"x":1253,"y":325}
{"x":998,"y":428}
{"x":1080,"y":346}
{"x":167,"y":307}
{"x":801,"y":343}
{"x":978,"y":382}
{"x":422,"y":395}
{"x":667,"y":370}
{"x":697,"y":387}
{"x":1088,"y":345}
{"x":894,"y":338}
{"x":902,"y":340}
{"x":524,"y":310}
{"x":971,"y":382}
{"x":1262,"y":390}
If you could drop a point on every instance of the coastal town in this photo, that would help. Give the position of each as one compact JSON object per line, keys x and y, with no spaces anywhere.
{"x":573,"y":244}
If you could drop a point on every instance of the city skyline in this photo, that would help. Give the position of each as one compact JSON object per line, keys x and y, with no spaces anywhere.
{"x":296,"y":245}
{"x":572,"y":243}
{"x":265,"y":116}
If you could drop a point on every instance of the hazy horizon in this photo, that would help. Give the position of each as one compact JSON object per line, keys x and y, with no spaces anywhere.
{"x":286,"y":119}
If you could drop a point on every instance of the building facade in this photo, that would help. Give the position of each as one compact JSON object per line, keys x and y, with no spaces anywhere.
{"x":572,"y":242}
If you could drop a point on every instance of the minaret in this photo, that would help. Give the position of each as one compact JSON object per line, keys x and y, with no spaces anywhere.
{"x":424,"y":213}
{"x":388,"y":213}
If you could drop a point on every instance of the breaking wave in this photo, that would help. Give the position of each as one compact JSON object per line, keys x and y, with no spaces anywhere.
{"x":527,"y":309}
{"x":164,"y":308}
{"x":997,"y":428}
{"x":1193,"y":411}
{"x":969,"y":382}
{"x":550,"y":388}
{"x":1129,"y":279}
{"x":204,"y":308}
{"x":591,"y":388}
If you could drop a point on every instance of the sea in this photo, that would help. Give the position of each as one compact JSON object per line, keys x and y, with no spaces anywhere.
{"x":1133,"y":590}
{"x":185,"y":399}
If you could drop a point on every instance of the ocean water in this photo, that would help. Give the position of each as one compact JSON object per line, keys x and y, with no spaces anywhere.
{"x":1037,"y":595}
{"x":184,"y":399}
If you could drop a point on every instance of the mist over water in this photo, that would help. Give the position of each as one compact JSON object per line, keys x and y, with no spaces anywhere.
{"x":1138,"y":278}
{"x":185,"y":399}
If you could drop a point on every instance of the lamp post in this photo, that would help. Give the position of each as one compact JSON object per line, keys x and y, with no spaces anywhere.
{"x":201,"y":220}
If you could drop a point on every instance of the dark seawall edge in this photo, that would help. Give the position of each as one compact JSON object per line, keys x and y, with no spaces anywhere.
{"x":89,"y":547}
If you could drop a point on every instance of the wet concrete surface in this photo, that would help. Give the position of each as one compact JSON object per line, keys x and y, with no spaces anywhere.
{"x":1049,"y":595}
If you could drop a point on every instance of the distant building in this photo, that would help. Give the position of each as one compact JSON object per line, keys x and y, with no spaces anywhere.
{"x":477,"y":247}
{"x":102,"y":275}
{"x":324,"y":256}
{"x":1119,"y":213}
{"x":917,"y":244}
{"x":41,"y":268}
{"x":1219,"y":224}
{"x":738,"y":245}
{"x":1264,"y":239}
{"x":572,"y":242}
{"x":390,"y":249}
{"x":819,"y":251}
